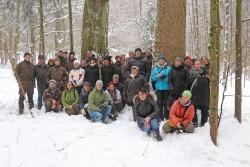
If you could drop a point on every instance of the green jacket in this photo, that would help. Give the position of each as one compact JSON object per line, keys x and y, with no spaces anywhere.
{"x":97,"y":100}
{"x":69,"y":98}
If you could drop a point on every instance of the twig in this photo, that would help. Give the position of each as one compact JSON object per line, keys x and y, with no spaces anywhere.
{"x":146,"y":148}
{"x":17,"y":139}
{"x":223,"y":97}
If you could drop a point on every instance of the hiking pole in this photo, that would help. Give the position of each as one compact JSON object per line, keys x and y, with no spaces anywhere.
{"x":20,"y":85}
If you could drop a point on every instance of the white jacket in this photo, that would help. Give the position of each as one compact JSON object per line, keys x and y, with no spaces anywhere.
{"x":77,"y":76}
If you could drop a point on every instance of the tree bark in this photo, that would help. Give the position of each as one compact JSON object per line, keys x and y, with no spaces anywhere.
{"x":214,"y":51}
{"x":71,"y":27}
{"x":238,"y":67}
{"x":42,"y":38}
{"x":171,"y":28}
{"x":95,"y":26}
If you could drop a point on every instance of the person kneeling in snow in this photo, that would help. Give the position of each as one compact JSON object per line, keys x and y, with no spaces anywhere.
{"x":98,"y":107}
{"x":70,"y":99}
{"x":181,"y":115}
{"x":84,"y":99}
{"x":115,"y":99}
{"x":51,"y":98}
{"x":147,"y":113}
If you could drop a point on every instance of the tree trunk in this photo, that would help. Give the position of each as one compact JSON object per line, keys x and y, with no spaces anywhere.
{"x":95,"y":26}
{"x":214,"y":50}
{"x":238,"y":67}
{"x":71,"y":27}
{"x":42,"y":39}
{"x":171,"y":28}
{"x":17,"y":34}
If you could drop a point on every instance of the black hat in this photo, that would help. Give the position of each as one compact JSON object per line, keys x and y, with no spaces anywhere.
{"x":41,"y":57}
{"x":138,"y":49}
{"x":107,"y":58}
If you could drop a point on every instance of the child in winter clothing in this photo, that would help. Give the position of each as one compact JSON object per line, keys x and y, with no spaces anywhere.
{"x":115,"y":99}
{"x":70,"y":99}
{"x":181,"y":115}
{"x":51,"y":97}
{"x":146,"y":113}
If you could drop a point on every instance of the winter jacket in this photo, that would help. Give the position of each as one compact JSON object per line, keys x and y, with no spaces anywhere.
{"x":69,"y":98}
{"x":42,"y":75}
{"x":83,"y":98}
{"x":141,"y":63}
{"x":97,"y":99}
{"x":63,"y":62}
{"x":178,"y":80}
{"x":181,"y":114}
{"x":120,"y":87}
{"x":107,"y":74}
{"x":26,"y":74}
{"x":92,"y":74}
{"x":147,"y":108}
{"x":161,"y":83}
{"x":118,"y":70}
{"x":59,"y":74}
{"x":199,"y":86}
{"x":77,"y":76}
{"x":132,"y":87}
{"x":52,"y":94}
{"x":114,"y":97}
{"x":70,"y":64}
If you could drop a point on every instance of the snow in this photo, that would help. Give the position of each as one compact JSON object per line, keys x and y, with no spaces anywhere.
{"x":59,"y":140}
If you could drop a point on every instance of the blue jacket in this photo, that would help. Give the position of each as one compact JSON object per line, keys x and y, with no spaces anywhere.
{"x":161,"y":83}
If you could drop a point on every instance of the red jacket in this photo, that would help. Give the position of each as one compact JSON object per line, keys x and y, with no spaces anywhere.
{"x":180,"y":113}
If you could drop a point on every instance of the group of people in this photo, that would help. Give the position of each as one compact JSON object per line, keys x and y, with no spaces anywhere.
{"x":100,"y":89}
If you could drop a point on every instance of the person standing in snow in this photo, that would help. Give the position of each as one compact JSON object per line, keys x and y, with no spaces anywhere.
{"x":147,"y":113}
{"x":133,"y":84}
{"x":108,"y":70}
{"x":52,"y":98}
{"x":70,"y":99}
{"x":92,"y":72}
{"x":98,"y":107}
{"x":25,"y":71}
{"x":199,"y":86}
{"x":59,"y":74}
{"x":181,"y":115}
{"x":70,"y":61}
{"x":160,"y":75}
{"x":42,"y":75}
{"x":76,"y":76}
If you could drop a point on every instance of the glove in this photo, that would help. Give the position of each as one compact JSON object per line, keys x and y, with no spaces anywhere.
{"x":179,"y":126}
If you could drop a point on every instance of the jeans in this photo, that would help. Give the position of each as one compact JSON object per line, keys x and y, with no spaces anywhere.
{"x":40,"y":91}
{"x":100,"y":116}
{"x":154,"y":125}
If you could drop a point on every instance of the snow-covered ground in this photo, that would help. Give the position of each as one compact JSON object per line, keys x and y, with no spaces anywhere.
{"x":58,"y":140}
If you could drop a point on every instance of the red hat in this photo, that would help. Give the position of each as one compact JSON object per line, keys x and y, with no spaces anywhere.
{"x":187,"y":57}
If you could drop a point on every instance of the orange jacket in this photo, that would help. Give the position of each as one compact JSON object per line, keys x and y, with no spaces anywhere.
{"x":179,"y":113}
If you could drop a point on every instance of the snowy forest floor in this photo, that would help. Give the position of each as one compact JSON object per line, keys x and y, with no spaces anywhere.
{"x":59,"y":140}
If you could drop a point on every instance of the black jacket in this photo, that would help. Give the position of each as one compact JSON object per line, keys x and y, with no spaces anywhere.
{"x":92,"y":74}
{"x":107,"y":74}
{"x":147,"y":108}
{"x":42,"y":74}
{"x":178,"y":80}
{"x":141,"y":63}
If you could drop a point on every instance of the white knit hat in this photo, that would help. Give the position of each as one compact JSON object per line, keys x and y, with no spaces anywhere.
{"x":99,"y":82}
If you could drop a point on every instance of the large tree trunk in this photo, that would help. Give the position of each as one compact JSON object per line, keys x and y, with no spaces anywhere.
{"x":42,"y":39}
{"x":70,"y":27}
{"x":238,"y":67}
{"x":171,"y":28}
{"x":214,"y":50}
{"x":95,"y":26}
